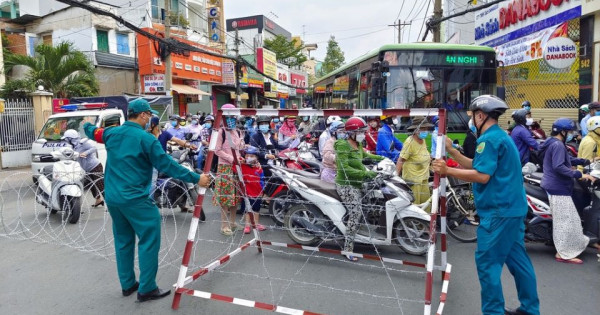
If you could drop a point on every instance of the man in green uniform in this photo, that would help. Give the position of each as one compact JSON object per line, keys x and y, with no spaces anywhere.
{"x":132,"y":153}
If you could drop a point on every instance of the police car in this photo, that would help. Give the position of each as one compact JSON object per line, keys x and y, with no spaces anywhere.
{"x":73,"y":118}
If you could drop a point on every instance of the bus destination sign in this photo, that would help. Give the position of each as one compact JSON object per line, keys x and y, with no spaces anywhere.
{"x":454,"y":60}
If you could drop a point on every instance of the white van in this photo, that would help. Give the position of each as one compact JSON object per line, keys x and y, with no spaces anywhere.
{"x":56,"y":125}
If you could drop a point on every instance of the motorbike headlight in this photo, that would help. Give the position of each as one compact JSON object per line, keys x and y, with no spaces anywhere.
{"x":389,"y":193}
{"x":292,"y":155}
{"x":36,"y":158}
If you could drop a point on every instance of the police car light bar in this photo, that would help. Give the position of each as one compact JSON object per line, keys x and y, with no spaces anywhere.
{"x":84,"y":106}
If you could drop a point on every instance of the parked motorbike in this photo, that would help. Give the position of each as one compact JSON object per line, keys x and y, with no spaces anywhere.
{"x":539,"y":217}
{"x":171,"y":192}
{"x":319,"y":214}
{"x":60,"y":188}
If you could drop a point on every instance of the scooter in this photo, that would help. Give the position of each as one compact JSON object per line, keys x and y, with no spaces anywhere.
{"x":171,"y":192}
{"x":538,"y":225}
{"x":60,"y":187}
{"x":389,"y":215}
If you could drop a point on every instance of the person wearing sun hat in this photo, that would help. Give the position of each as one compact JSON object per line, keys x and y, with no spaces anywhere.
{"x":131,"y":154}
{"x":414,"y":160}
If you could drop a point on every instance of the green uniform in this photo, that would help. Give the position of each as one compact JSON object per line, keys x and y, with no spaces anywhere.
{"x":132,"y":153}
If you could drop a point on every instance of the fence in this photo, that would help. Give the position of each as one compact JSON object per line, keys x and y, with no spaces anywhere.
{"x":17,"y":132}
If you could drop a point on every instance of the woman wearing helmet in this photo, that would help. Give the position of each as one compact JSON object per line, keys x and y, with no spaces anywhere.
{"x":351,"y":174}
{"x":287,"y":132}
{"x":593,"y":110}
{"x":226,"y":194}
{"x":501,"y":205}
{"x":413,"y":164}
{"x":89,"y":163}
{"x":266,"y":143}
{"x":325,"y":135}
{"x":522,"y":136}
{"x":328,"y":171}
{"x":589,"y":146}
{"x":387,"y":144}
{"x":567,"y":231}
{"x":372,"y":133}
{"x":205,"y":132}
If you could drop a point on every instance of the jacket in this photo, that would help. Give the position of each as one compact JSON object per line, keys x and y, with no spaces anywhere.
{"x":254,"y":180}
{"x":588,"y":148}
{"x":387,"y":144}
{"x":258,"y":140}
{"x":223,"y":148}
{"x":371,"y":138}
{"x":524,"y":142}
{"x":351,"y":171}
{"x":558,"y":175}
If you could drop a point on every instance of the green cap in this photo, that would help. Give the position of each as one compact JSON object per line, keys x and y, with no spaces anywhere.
{"x":140,"y":105}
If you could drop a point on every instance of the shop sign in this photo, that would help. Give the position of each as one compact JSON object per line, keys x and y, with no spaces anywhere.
{"x":529,"y":47}
{"x":193,"y":83}
{"x":154,"y":83}
{"x":283,"y":75}
{"x":320,"y":89}
{"x":298,"y":79}
{"x":341,"y":84}
{"x":560,"y":52}
{"x":214,"y":22}
{"x":228,"y":73}
{"x":514,"y":19}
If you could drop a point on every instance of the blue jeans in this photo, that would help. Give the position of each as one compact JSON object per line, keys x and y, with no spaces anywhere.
{"x":200,"y":158}
{"x":153,"y":184}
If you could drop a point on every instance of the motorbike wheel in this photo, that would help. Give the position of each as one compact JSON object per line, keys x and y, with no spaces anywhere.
{"x":459,"y":225}
{"x":279,"y":205}
{"x":71,"y":209}
{"x":297,"y":233}
{"x":414,"y":239}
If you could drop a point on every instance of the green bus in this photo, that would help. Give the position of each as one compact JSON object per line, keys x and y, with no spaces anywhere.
{"x":418,"y":75}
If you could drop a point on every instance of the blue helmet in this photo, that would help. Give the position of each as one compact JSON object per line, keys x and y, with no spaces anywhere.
{"x":251,"y":150}
{"x":335,"y":126}
{"x":563,"y":124}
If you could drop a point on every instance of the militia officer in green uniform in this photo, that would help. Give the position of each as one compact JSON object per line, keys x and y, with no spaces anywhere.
{"x":132,"y":153}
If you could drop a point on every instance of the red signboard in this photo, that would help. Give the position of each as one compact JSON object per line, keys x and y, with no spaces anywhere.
{"x":299,"y":80}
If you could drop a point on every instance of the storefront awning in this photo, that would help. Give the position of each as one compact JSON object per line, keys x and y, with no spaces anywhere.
{"x":186,"y":89}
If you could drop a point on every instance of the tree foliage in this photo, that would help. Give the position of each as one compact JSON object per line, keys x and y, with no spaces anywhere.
{"x":60,"y":69}
{"x":289,"y":52}
{"x":334,"y":57}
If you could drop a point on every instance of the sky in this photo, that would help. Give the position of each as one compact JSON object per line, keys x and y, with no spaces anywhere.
{"x":358,"y":25}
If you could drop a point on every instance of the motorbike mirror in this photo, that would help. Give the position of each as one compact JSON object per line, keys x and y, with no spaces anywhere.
{"x":41,"y":141}
{"x":301,"y":129}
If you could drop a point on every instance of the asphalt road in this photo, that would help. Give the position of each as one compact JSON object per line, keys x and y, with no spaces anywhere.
{"x":48,"y":268}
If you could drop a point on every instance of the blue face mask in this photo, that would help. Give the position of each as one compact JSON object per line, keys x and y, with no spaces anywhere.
{"x":597,"y":113}
{"x":263,"y":128}
{"x":147,"y":126}
{"x":230,"y":122}
{"x":473,"y":129}
{"x":276,"y":120}
{"x":423,"y":134}
{"x":207,"y":125}
{"x":341,"y":135}
{"x":305,"y":118}
{"x":527,"y":107}
{"x":173,"y":123}
{"x":194,"y":122}
{"x":570,"y":137}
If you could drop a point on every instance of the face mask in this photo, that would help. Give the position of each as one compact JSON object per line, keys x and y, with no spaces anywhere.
{"x":423,"y":134}
{"x":341,"y":135}
{"x":473,"y":129}
{"x":173,"y":123}
{"x":305,"y":118}
{"x":194,"y":122}
{"x":373,"y":124}
{"x":276,"y":120}
{"x":263,"y":128}
{"x":527,"y":107}
{"x":147,"y":127}
{"x":597,"y":113}
{"x":183,"y":123}
{"x":529,"y":121}
{"x":360,"y":137}
{"x":570,"y":137}
{"x":230,"y":122}
{"x":207,"y":125}
{"x":250,"y":160}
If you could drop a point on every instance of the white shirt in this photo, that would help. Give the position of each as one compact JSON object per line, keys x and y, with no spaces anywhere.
{"x":322,"y":139}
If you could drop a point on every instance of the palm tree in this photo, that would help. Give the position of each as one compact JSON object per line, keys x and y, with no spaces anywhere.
{"x":60,"y":69}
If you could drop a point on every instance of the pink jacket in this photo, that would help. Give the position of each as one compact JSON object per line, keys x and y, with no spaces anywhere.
{"x":329,"y":154}
{"x":223,"y":148}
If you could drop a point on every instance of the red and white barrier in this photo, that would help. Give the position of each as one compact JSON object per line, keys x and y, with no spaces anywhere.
{"x":438,"y":202}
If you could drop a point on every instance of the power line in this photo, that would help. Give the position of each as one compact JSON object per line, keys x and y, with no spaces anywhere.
{"x":424,"y":20}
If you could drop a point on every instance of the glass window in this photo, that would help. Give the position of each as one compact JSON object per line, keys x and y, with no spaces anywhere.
{"x":56,"y":127}
{"x":102,"y":37}
{"x":155,"y":9}
{"x":32,"y":43}
{"x":122,"y":44}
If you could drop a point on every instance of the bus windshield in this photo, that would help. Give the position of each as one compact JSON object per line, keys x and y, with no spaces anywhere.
{"x":56,"y":127}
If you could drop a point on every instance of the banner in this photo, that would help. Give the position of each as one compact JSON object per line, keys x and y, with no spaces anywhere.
{"x":228,"y":73}
{"x":529,"y":47}
{"x":154,"y":83}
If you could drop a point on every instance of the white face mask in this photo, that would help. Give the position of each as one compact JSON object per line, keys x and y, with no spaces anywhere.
{"x":360,"y":137}
{"x":250,"y":160}
{"x":529,"y":121}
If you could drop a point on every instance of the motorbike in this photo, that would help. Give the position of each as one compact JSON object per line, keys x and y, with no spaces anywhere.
{"x":318,"y":214}
{"x":60,"y":188}
{"x":171,"y":192}
{"x":538,"y":224}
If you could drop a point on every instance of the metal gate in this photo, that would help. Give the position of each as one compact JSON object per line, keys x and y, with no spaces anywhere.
{"x":17,"y":133}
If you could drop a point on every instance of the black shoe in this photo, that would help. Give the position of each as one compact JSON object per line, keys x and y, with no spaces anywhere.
{"x":202,"y":216}
{"x":514,"y":312}
{"x":130,"y":291}
{"x":153,"y":295}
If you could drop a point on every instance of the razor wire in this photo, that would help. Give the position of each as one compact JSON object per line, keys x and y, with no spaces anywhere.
{"x":23,"y":218}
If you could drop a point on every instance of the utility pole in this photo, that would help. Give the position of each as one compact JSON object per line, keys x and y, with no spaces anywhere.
{"x":399,"y":25}
{"x":238,"y":74}
{"x":168,"y":68}
{"x":437,"y":15}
